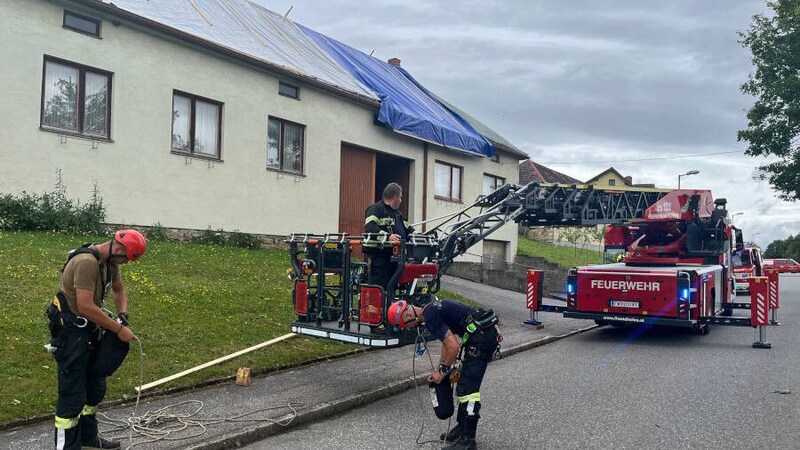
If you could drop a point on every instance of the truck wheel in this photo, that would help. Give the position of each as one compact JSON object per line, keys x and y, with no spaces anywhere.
{"x":700,"y":329}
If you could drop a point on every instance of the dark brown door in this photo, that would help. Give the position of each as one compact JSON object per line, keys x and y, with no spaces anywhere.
{"x":356,"y":188}
{"x":392,"y":169}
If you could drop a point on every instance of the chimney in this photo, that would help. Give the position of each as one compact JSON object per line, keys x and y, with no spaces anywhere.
{"x":629,"y":180}
{"x":394,"y":62}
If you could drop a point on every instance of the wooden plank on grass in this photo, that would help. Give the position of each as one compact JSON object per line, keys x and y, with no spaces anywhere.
{"x":211,"y":363}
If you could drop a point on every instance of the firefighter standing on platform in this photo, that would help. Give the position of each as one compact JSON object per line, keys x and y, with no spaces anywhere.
{"x":471,"y":332}
{"x":87,"y":343}
{"x":384,"y":222}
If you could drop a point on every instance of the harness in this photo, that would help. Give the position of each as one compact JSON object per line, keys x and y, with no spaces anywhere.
{"x":478,"y":321}
{"x":58,"y":311}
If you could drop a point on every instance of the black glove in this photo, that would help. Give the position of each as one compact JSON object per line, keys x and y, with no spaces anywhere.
{"x":123,"y":318}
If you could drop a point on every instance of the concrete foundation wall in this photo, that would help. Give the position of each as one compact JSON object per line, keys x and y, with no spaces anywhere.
{"x":512,"y":276}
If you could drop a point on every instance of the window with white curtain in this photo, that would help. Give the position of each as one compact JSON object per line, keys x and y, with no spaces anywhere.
{"x":76,"y":99}
{"x":491,"y":183}
{"x":285,"y":145}
{"x":196,"y":125}
{"x":447,"y":181}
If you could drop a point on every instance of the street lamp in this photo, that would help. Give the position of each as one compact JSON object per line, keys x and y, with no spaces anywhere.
{"x":691,"y":172}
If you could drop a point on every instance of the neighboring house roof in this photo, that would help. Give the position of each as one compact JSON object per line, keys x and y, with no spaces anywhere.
{"x":247,"y":31}
{"x":628,"y":180}
{"x":530,"y":171}
{"x":606,"y":172}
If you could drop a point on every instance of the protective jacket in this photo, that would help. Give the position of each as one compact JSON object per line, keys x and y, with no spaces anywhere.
{"x":382,"y":220}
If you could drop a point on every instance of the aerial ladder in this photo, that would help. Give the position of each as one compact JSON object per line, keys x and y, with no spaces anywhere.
{"x":333,"y":300}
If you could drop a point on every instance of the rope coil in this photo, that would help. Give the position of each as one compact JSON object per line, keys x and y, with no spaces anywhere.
{"x":165,"y":423}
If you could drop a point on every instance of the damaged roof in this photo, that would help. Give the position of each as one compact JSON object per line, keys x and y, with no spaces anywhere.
{"x":249,"y":32}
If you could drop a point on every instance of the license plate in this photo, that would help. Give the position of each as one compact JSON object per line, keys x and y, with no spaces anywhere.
{"x":623,"y":304}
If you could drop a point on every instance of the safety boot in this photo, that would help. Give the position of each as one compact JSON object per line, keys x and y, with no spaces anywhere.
{"x":452,"y":435}
{"x":101,"y":443}
{"x":462,"y":443}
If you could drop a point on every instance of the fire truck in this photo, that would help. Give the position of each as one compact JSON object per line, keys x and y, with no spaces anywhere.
{"x":676,"y":269}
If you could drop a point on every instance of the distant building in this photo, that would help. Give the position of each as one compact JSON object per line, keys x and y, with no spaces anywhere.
{"x":532,"y":171}
{"x":612,"y":178}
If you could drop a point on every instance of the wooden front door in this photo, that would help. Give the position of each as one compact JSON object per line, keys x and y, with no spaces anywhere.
{"x":356,"y":188}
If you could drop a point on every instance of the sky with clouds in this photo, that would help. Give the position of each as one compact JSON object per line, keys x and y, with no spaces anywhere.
{"x":648,"y":87}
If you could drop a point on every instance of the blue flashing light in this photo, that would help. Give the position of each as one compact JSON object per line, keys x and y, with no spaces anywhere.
{"x":570,"y":288}
{"x":685,"y":293}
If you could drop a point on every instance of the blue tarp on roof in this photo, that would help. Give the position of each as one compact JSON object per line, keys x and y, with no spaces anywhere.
{"x":406,"y":107}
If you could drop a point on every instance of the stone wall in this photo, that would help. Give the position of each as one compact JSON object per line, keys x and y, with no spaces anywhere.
{"x":184,"y":235}
{"x":512,"y":276}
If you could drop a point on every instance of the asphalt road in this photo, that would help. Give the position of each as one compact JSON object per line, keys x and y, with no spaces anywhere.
{"x":608,"y":389}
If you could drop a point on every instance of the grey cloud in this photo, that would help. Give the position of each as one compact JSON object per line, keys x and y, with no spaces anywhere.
{"x":583,"y":80}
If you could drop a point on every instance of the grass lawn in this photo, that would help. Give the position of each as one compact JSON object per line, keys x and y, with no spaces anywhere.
{"x":566,"y":257}
{"x":188,"y":304}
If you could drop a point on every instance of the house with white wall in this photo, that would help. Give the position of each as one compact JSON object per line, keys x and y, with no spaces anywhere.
{"x":219,"y":114}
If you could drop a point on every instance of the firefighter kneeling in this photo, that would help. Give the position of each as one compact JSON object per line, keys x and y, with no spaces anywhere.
{"x":87,"y":343}
{"x":466,"y":333}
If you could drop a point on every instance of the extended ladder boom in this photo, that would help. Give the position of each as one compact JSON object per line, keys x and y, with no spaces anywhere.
{"x":538,"y":204}
{"x":333,"y":298}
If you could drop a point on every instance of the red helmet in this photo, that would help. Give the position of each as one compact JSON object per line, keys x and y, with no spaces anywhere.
{"x":395,"y":312}
{"x":133,"y":241}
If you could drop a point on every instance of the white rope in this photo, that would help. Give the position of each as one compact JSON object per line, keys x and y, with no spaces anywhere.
{"x":164,"y":424}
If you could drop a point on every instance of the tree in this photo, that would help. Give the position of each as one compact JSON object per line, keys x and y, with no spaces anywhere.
{"x":784,"y":248}
{"x":777,"y":248}
{"x":774,"y":120}
{"x":571,"y":235}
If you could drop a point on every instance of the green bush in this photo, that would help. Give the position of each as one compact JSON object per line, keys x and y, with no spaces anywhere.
{"x":157,"y":232}
{"x":219,"y":237}
{"x":243,"y":240}
{"x":51,"y":211}
{"x":210,"y":237}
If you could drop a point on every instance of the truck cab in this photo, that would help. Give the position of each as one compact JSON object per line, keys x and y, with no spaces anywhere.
{"x":746,"y":263}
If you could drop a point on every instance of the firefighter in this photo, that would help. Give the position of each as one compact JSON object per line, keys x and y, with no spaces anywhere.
{"x":384,"y":222}
{"x":87,"y":343}
{"x":471,"y":332}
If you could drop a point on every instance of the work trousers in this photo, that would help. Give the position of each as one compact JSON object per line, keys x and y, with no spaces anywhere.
{"x":381,"y":269}
{"x":478,"y":351}
{"x":80,"y":389}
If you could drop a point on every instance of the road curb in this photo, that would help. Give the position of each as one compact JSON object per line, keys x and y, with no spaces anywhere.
{"x":325,"y":410}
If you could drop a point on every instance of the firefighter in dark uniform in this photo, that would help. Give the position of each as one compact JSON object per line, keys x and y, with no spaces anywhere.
{"x":384,"y":222}
{"x":471,"y":332}
{"x":88,"y":345}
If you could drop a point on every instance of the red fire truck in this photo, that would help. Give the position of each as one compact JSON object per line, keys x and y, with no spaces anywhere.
{"x":676,"y":269}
